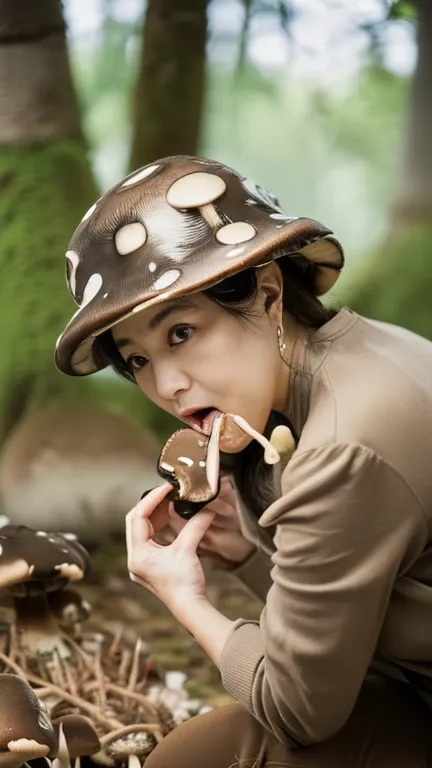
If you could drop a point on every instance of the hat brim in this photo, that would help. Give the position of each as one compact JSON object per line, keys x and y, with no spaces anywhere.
{"x":74,"y":350}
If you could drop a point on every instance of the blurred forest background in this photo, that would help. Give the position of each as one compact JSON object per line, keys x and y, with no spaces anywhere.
{"x":327,"y":103}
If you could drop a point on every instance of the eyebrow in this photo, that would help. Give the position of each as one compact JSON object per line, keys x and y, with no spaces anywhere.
{"x":159,"y":318}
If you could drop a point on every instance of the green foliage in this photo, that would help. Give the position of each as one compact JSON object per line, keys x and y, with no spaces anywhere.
{"x":402,"y":9}
{"x":394,"y":283}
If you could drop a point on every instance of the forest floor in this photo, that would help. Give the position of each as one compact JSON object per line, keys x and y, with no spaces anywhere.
{"x":120,"y":605}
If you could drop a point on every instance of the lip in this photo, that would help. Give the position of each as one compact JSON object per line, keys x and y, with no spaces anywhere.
{"x":202,"y":425}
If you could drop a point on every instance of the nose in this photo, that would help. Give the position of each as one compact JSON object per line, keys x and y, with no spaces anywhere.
{"x":170,"y":380}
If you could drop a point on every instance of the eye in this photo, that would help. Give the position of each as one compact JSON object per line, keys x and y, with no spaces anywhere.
{"x":179,"y":334}
{"x":137,"y":362}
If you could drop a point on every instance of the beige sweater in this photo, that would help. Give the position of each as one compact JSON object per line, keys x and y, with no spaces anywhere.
{"x":349,"y":534}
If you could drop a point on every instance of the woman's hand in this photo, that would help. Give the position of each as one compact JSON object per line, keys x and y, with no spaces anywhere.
{"x":223,"y":541}
{"x":172,"y":572}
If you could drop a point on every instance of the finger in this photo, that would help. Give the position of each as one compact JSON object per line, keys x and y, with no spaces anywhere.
{"x":153,"y":505}
{"x":191,"y":535}
{"x":151,"y":501}
{"x":225,"y":515}
{"x":138,"y":528}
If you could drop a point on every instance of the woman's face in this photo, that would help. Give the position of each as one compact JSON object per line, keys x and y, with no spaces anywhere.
{"x":191,"y":354}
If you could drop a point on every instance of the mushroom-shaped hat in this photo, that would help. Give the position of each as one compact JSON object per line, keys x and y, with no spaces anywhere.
{"x":26,"y":732}
{"x":48,"y":559}
{"x":175,"y":227}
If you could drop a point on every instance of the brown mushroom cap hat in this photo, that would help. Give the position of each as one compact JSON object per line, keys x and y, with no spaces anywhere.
{"x":175,"y":227}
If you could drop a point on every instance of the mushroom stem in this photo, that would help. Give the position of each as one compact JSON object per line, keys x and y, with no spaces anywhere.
{"x":36,"y":630}
{"x":133,"y":762}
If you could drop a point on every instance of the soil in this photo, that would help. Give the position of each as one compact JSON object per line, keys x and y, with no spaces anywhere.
{"x":120,"y":605}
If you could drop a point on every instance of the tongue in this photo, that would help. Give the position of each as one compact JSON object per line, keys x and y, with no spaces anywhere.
{"x":208,"y":420}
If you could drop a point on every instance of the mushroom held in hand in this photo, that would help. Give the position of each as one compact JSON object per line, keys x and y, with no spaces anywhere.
{"x":26,"y":731}
{"x":190,"y":459}
{"x":33,"y":563}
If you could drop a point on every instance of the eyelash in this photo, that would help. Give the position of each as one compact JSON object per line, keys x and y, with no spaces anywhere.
{"x":170,"y":334}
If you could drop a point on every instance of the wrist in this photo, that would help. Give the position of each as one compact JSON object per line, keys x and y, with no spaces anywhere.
{"x":206,"y":624}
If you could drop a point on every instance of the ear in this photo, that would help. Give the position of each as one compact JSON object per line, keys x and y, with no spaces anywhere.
{"x":270,"y":287}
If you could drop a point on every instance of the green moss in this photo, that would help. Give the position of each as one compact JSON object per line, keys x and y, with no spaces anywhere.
{"x":44,"y":192}
{"x":394,"y":283}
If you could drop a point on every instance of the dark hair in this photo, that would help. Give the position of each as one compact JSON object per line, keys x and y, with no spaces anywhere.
{"x":237,"y":295}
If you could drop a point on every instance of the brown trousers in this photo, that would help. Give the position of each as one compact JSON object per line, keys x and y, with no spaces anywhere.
{"x":390,"y":727}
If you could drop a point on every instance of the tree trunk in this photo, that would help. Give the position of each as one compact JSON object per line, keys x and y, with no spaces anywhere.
{"x":168,"y":98}
{"x":46,"y":185}
{"x":413,"y":200}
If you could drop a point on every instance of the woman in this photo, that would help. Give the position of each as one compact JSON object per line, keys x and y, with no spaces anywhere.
{"x":194,"y":284}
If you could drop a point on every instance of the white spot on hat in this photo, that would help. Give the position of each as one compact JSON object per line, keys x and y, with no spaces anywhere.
{"x":282,"y":217}
{"x":89,"y":213}
{"x":152,"y":266}
{"x":167,"y":279}
{"x":73,"y":258}
{"x":239,"y":232}
{"x":144,"y":173}
{"x":130,"y":237}
{"x":235,"y":252}
{"x":195,"y":190}
{"x":92,"y":288}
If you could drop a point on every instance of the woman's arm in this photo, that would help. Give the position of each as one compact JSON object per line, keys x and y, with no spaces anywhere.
{"x":346,"y":527}
{"x":209,"y":627}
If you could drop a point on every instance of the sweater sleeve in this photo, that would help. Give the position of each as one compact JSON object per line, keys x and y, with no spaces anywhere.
{"x":346,"y":526}
{"x":254,"y":573}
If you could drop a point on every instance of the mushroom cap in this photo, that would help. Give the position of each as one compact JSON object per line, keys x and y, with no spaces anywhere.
{"x":26,"y":730}
{"x":81,"y":738}
{"x":172,"y":228}
{"x":39,"y":560}
{"x":138,"y":744}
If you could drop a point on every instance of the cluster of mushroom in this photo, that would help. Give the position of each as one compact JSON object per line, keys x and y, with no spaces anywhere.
{"x":35,"y":570}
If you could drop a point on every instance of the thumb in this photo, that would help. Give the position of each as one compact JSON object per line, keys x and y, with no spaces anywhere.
{"x":194,"y":530}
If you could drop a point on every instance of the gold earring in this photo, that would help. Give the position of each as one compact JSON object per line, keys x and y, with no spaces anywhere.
{"x":281,"y":343}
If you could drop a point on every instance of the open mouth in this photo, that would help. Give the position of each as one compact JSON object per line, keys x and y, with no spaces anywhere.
{"x":202,"y":420}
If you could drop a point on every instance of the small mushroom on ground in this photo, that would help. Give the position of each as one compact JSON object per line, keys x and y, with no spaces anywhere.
{"x":69,"y":609}
{"x":81,"y":739}
{"x":131,"y":748}
{"x":26,"y":732}
{"x":33,"y":563}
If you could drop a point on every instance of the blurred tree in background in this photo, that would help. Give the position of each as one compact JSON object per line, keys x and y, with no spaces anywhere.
{"x":169,"y":91}
{"x":46,"y":182}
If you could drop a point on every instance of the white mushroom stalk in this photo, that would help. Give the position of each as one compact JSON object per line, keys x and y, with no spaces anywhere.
{"x":37,"y":632}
